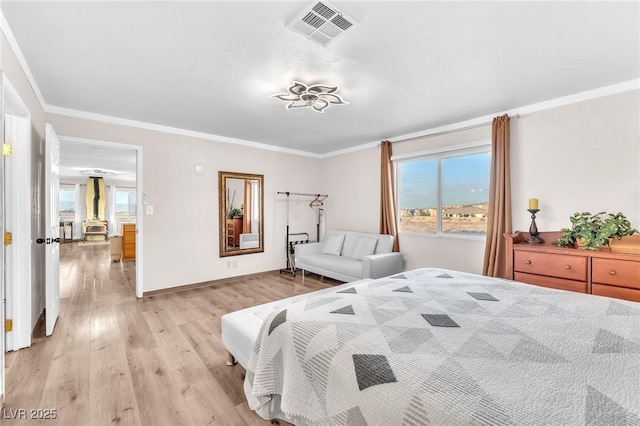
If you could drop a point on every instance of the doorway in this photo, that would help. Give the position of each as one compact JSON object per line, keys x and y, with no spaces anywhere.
{"x":119,"y":167}
{"x":16,"y":213}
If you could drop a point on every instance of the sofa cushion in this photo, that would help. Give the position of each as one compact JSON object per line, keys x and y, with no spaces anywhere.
{"x":340,"y":264}
{"x":364,"y":247}
{"x":333,"y":244}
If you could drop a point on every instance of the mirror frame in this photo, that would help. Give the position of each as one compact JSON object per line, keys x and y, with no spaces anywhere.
{"x":222,"y":214}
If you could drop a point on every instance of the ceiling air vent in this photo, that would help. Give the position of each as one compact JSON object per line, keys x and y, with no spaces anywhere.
{"x":322,"y":23}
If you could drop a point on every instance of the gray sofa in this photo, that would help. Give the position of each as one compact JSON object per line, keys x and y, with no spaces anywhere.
{"x":350,"y":256}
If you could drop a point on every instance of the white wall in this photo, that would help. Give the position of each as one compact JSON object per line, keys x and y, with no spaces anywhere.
{"x":181,"y":237}
{"x":580,"y":157}
{"x":584,"y":156}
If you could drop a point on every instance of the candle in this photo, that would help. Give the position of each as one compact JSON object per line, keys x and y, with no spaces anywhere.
{"x":533,"y":204}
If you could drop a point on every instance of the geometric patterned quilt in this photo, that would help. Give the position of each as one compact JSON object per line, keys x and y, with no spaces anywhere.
{"x":440,"y":347}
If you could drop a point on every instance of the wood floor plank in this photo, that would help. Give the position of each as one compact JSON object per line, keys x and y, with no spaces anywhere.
{"x":133,"y":328}
{"x":157,"y":396}
{"x":67,"y":388}
{"x":152,"y":361}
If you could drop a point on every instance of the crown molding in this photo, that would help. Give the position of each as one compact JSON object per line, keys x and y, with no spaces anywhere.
{"x":172,"y":130}
{"x":613,"y":89}
{"x":13,"y":43}
{"x":600,"y":92}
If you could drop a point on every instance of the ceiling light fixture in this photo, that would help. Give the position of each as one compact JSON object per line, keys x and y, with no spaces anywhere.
{"x":318,"y":97}
{"x":97,"y":171}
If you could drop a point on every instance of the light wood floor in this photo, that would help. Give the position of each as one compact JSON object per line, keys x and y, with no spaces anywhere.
{"x":152,"y":361}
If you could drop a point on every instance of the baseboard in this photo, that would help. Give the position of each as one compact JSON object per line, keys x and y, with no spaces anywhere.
{"x":212,"y":283}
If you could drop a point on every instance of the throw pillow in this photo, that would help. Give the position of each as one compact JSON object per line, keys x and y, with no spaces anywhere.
{"x":333,"y":244}
{"x":364,"y":247}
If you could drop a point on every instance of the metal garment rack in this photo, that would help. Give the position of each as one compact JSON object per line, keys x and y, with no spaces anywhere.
{"x":289,"y":244}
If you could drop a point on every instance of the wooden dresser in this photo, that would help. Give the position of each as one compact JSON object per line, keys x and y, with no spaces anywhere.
{"x":128,"y":241}
{"x":595,"y":272}
{"x":234,"y":229}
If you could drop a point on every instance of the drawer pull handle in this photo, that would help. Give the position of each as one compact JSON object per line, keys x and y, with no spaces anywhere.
{"x":528,"y":262}
{"x":567,"y":267}
{"x":612,"y":272}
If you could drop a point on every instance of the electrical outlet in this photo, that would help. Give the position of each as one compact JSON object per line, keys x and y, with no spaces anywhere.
{"x":228,"y":264}
{"x":235,"y":263}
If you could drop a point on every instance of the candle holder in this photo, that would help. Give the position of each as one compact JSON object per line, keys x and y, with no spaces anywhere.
{"x":533,"y":229}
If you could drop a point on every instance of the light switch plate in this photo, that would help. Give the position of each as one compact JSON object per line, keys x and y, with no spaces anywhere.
{"x":148,"y":210}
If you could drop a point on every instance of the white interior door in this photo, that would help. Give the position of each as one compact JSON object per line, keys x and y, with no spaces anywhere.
{"x":52,"y":227}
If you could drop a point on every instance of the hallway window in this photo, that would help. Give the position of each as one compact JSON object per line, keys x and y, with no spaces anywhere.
{"x":67,"y":202}
{"x":125,"y":203}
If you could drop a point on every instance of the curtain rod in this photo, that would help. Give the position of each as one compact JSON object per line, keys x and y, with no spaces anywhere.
{"x":446,"y":132}
{"x":303,"y":194}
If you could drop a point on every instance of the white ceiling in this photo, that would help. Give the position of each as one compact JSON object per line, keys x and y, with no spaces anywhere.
{"x":79,"y":160}
{"x":405,"y":67}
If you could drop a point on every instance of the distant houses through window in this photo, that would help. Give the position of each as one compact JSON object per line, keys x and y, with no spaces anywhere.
{"x":444,"y":192}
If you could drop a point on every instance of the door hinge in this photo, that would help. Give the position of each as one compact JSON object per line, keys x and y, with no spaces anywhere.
{"x":7,"y":149}
{"x":8,"y":325}
{"x":8,"y":238}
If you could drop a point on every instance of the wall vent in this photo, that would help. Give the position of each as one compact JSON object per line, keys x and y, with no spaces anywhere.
{"x":321,"y":23}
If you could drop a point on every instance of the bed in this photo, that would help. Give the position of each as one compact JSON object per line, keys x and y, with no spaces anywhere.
{"x":435,"y":346}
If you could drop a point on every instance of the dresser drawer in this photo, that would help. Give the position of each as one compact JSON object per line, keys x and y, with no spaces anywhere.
{"x":623,"y":273}
{"x":552,"y":265}
{"x":616,"y":292}
{"x":129,"y":250}
{"x":551,"y":282}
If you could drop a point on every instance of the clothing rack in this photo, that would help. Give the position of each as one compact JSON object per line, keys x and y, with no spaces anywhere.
{"x":290,"y":244}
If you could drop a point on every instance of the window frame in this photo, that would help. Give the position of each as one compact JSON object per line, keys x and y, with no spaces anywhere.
{"x":438,"y":154}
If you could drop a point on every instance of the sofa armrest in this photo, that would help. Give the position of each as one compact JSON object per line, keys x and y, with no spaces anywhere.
{"x":382,"y":265}
{"x":308,"y":248}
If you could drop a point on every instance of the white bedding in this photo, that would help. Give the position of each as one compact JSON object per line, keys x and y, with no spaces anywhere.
{"x":240,"y":328}
{"x":434,"y":346}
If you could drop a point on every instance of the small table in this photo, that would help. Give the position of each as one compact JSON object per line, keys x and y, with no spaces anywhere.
{"x":63,"y":226}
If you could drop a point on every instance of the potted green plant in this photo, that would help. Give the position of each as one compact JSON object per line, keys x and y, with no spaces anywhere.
{"x":233,"y":212}
{"x":593,"y":231}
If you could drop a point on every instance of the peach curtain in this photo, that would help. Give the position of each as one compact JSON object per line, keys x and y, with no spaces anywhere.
{"x":499,"y":214}
{"x":388,"y":223}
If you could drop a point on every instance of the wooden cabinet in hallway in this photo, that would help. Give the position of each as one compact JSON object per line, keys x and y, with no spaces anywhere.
{"x":128,"y":241}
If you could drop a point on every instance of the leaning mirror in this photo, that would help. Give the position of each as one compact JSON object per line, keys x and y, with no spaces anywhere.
{"x":240,"y":198}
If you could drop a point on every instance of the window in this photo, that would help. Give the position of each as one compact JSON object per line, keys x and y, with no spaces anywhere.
{"x":125,"y":203}
{"x":445,"y":192}
{"x":67,"y":202}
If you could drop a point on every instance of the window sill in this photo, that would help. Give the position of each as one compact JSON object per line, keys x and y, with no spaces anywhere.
{"x":448,"y":236}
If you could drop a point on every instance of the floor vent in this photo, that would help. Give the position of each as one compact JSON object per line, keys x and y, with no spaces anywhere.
{"x":321,"y":23}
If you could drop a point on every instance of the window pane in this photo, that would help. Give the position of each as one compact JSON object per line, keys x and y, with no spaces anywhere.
{"x":122,"y":202}
{"x":67,"y":203}
{"x":125,"y":204}
{"x":418,"y":195}
{"x":465,"y":194}
{"x":132,"y":204}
